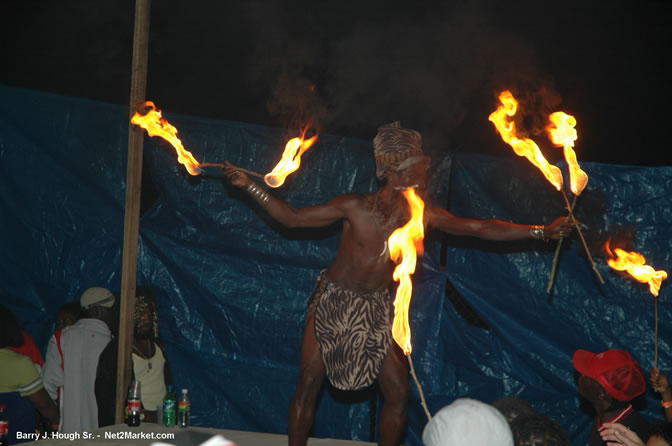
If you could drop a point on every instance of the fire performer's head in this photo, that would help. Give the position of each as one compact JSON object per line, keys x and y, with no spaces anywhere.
{"x":608,"y":380}
{"x":398,"y":153}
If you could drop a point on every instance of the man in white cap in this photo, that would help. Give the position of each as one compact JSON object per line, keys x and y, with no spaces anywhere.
{"x":348,"y":335}
{"x":69,"y":372}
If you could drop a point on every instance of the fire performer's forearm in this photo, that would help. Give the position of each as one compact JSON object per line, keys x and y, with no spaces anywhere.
{"x":492,"y":229}
{"x":279,"y":210}
{"x":314,"y":216}
{"x":258,"y":193}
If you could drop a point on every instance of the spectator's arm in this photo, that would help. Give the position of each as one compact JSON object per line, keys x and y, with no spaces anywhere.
{"x":52,"y":373}
{"x":661,"y":384}
{"x":45,"y":406}
{"x":618,"y":434}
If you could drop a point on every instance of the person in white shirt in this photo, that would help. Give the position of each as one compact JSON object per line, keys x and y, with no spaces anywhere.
{"x":71,"y":363}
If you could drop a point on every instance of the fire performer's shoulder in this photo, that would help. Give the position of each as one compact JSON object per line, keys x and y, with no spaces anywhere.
{"x":354,"y":200}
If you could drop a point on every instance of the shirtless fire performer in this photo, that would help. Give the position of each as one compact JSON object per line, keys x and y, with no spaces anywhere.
{"x":351,"y":299}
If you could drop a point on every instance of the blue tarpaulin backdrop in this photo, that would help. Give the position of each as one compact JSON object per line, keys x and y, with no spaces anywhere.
{"x":232,"y":285}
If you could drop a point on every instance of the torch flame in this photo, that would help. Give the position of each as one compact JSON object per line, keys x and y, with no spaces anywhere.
{"x":291,"y":159}
{"x":404,"y":244}
{"x":523,"y":147}
{"x":156,"y":125}
{"x":634,"y":264}
{"x":563,"y":134}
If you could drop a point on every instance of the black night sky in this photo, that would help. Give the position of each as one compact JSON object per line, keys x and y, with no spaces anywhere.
{"x":349,"y":66}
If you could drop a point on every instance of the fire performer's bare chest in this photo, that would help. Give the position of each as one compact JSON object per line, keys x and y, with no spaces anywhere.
{"x":362,"y":262}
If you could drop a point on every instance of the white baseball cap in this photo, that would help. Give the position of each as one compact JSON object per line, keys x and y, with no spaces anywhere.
{"x":470,"y":422}
{"x":97,"y":296}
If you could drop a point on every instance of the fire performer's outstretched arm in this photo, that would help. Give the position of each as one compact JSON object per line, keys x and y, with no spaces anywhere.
{"x":290,"y":216}
{"x":493,"y":229}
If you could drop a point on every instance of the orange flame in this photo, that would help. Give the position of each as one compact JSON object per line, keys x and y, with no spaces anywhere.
{"x":634,"y":264}
{"x":156,"y":125}
{"x":523,"y":147}
{"x":563,"y":134}
{"x":291,"y":159}
{"x":404,"y":244}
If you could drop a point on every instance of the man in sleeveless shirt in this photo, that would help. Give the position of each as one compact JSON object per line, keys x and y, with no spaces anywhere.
{"x":150,"y":364}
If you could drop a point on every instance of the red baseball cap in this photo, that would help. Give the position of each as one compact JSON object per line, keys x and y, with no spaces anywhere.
{"x":615,"y":370}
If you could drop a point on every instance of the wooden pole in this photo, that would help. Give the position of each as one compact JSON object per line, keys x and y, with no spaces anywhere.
{"x":129,"y":265}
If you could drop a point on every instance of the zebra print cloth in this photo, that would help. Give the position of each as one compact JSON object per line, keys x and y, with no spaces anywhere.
{"x":354,"y":332}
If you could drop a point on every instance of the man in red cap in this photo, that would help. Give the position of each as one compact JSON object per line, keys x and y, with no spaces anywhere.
{"x":610,"y":381}
{"x":348,"y":336}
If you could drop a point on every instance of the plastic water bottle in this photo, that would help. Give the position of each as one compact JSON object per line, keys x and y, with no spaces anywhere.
{"x":184,"y":409}
{"x":134,"y":405}
{"x":169,"y":409}
{"x":4,"y":426}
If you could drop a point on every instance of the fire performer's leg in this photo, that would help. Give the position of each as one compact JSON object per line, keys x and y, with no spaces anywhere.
{"x":311,"y":378}
{"x":393,"y":382}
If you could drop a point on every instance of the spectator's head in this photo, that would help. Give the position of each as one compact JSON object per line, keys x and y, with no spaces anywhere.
{"x":67,"y":315}
{"x":538,"y":430}
{"x":98,"y":303}
{"x":468,"y":422}
{"x":146,"y":315}
{"x":10,"y":330}
{"x":609,"y":379}
{"x":661,"y":435}
{"x":513,"y":408}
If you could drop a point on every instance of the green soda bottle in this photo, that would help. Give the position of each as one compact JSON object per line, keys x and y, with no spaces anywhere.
{"x":169,"y":407}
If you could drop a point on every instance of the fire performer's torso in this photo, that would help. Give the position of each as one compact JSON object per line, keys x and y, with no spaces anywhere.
{"x":363,"y":262}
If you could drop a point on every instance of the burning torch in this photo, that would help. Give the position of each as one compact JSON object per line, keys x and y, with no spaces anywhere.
{"x":563,"y":134}
{"x":635,"y":265}
{"x":150,"y":118}
{"x":405,"y":244}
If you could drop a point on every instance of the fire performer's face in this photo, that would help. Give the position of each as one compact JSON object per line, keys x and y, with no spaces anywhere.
{"x":414,"y":176}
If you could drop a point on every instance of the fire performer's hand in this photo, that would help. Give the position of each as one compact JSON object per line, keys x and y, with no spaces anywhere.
{"x":561,"y":227}
{"x":234,"y":176}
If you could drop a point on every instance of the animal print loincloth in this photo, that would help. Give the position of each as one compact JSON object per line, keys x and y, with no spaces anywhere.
{"x":353,"y":330}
